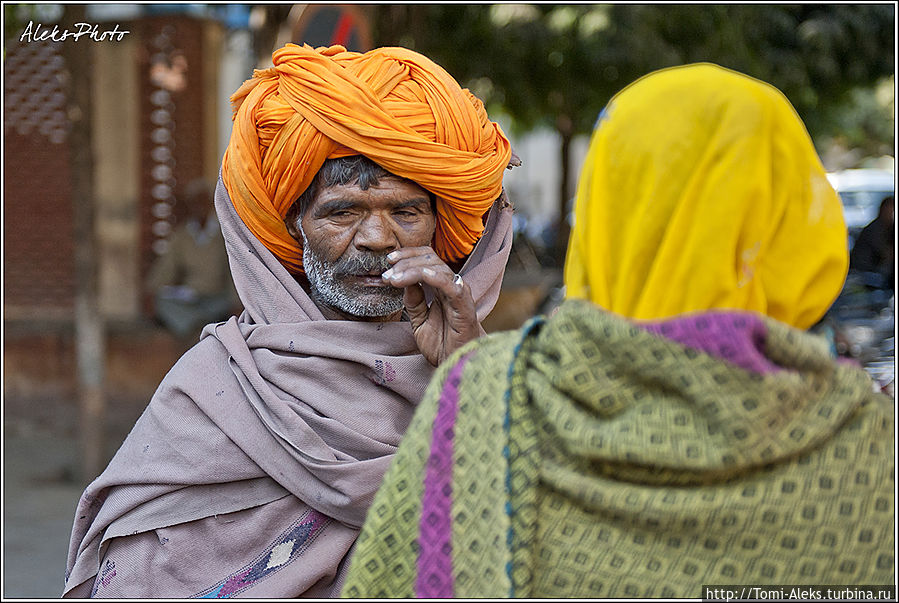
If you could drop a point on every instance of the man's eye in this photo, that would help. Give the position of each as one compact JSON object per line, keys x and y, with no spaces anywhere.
{"x":405,"y":213}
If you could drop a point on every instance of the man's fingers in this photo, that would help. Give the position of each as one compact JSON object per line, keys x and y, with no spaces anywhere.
{"x":422,"y":263}
{"x":409,"y":252}
{"x":441,"y":279}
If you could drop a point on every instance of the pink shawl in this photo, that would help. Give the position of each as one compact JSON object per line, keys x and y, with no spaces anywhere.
{"x":265,"y":442}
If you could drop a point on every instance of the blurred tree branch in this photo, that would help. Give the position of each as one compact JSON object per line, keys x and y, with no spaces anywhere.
{"x":558,"y":65}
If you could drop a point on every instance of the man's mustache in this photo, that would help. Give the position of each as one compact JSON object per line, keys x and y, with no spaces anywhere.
{"x":361,"y":263}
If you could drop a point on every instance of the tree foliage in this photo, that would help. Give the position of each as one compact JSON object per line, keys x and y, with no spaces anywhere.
{"x":551,"y":64}
{"x":558,"y":65}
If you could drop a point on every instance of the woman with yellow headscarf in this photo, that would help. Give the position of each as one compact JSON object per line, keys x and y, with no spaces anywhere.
{"x":709,"y":199}
{"x":672,"y":425}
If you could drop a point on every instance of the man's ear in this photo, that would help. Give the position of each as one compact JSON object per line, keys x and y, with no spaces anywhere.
{"x":290,"y":221}
{"x":292,"y":229}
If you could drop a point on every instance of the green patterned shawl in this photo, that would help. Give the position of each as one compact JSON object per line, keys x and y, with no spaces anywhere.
{"x":585,"y":456}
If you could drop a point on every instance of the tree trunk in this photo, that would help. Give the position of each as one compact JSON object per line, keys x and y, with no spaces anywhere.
{"x":90,"y":343}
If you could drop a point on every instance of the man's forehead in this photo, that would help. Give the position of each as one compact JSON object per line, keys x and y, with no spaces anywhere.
{"x":388,"y":188}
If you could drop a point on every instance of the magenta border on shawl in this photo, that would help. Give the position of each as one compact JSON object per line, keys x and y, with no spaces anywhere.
{"x":738,"y":337}
{"x":435,"y":565}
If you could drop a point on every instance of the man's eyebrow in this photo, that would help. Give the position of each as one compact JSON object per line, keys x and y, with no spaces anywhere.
{"x":339,"y":204}
{"x":413,"y":203}
{"x":335,"y":205}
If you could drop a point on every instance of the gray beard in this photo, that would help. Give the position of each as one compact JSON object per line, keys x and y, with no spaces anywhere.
{"x":327,"y":287}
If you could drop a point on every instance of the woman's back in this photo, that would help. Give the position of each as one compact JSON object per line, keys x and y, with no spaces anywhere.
{"x":676,"y":426}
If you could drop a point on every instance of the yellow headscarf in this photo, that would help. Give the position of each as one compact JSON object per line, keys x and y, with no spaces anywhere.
{"x":392,"y":105}
{"x":702,"y":190}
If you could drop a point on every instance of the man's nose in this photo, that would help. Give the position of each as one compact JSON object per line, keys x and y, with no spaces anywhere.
{"x":374,"y":234}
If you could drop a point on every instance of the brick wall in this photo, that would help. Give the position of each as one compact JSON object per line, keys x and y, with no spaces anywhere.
{"x":37,"y":206}
{"x":172,"y":149}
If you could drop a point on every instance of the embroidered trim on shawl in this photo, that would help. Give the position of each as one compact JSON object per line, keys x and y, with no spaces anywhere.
{"x":287,"y":547}
{"x":435,"y":564}
{"x":532,"y":327}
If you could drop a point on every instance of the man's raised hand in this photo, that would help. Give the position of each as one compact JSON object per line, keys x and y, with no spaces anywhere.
{"x":451,"y":320}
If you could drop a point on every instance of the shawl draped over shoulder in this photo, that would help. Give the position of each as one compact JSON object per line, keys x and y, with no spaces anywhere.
{"x":585,"y":456}
{"x":266,"y":442}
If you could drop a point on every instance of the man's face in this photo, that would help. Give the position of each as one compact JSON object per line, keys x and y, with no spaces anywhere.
{"x":348,"y":232}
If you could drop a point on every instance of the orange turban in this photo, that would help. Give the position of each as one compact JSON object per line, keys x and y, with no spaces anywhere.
{"x":393,"y":105}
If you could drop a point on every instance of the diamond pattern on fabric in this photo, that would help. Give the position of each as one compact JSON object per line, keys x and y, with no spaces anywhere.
{"x":593,"y":458}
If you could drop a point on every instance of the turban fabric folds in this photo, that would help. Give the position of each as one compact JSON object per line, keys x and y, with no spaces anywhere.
{"x":702,"y":190}
{"x":392,"y":105}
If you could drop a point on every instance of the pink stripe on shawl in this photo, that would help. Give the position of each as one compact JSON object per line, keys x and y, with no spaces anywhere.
{"x":738,"y":337}
{"x":435,"y":563}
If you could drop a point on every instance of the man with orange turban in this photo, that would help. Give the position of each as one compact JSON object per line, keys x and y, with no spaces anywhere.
{"x":362,"y":209}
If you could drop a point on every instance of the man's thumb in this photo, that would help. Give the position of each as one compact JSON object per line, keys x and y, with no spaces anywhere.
{"x":416,"y":307}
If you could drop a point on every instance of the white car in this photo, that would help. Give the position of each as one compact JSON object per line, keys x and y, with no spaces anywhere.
{"x":861,"y":191}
